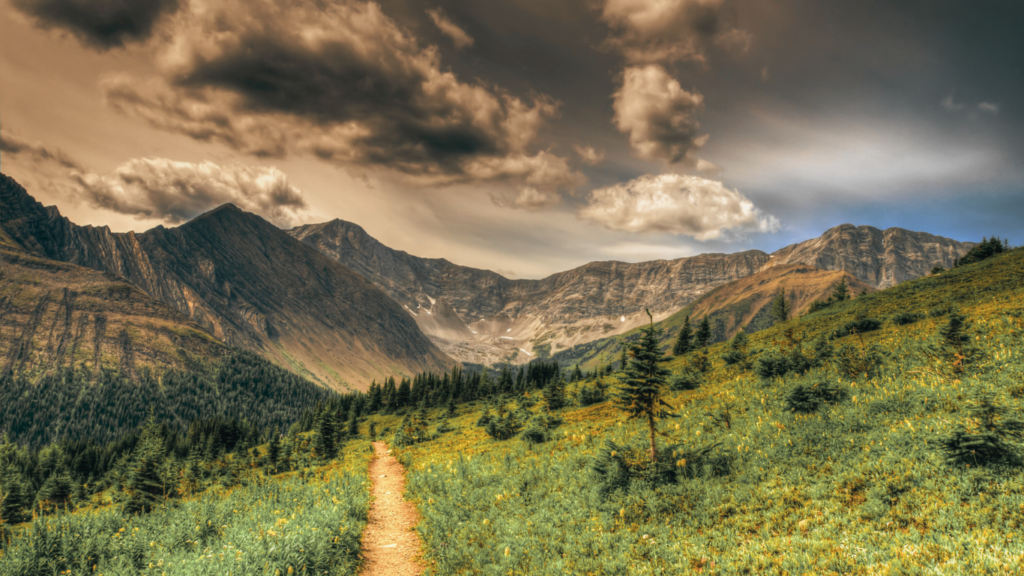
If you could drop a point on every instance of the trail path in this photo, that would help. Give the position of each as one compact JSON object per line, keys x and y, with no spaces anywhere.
{"x":389,"y":542}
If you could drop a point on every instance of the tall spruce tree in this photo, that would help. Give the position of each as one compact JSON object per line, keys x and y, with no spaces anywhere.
{"x":684,"y":343}
{"x":323,"y":435}
{"x":554,"y":393}
{"x":703,"y":336}
{"x":624,"y":358}
{"x":144,"y":486}
{"x":840,"y":292}
{"x":780,"y":307}
{"x":641,"y":396}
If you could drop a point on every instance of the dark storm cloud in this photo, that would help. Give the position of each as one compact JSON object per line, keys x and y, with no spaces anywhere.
{"x":99,"y":24}
{"x":12,"y":145}
{"x":343,"y":82}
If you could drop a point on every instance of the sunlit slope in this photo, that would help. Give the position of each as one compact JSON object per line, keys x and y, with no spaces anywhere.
{"x":308,"y":523}
{"x":858,"y":485}
{"x":742,"y":303}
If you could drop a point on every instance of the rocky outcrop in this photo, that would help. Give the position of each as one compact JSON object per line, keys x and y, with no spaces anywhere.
{"x":517,"y":320}
{"x":57,"y":315}
{"x":247,"y":283}
{"x":882,"y":258}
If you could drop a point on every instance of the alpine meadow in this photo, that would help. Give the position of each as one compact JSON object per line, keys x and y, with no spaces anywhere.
{"x":608,"y":288}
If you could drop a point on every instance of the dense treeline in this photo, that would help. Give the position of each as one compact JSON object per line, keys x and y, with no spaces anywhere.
{"x":140,"y":444}
{"x":65,"y":405}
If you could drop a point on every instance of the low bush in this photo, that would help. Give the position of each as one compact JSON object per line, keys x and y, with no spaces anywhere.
{"x":807,"y":398}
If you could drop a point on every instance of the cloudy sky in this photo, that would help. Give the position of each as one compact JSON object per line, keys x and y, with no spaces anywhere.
{"x":524,"y":136}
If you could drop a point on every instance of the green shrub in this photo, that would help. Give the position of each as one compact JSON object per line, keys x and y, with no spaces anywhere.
{"x":989,"y":435}
{"x":907,"y":318}
{"x":807,"y":398}
{"x":859,"y":326}
{"x":686,"y":379}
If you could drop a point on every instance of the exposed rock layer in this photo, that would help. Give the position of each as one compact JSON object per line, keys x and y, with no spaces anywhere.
{"x":499,"y":319}
{"x":246,"y":282}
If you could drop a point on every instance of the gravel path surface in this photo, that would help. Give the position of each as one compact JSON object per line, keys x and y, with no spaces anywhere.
{"x":390,"y":544}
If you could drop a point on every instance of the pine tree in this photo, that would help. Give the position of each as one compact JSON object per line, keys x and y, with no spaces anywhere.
{"x":13,"y":497}
{"x":840,"y":292}
{"x":954,"y":343}
{"x":703,"y":336}
{"x":780,"y":307}
{"x":274,"y":449}
{"x":684,"y":343}
{"x":323,"y":435}
{"x":642,"y":394}
{"x":144,"y":486}
{"x":554,"y":393}
{"x":624,"y":359}
{"x":353,"y":422}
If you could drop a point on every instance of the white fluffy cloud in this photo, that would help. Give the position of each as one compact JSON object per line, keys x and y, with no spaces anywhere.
{"x":157,"y":188}
{"x":658,"y":114}
{"x":670,"y":30}
{"x":677,"y":204}
{"x":450,"y":29}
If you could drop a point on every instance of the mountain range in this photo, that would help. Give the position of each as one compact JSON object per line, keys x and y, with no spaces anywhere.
{"x":246,"y":283}
{"x":332,"y":303}
{"x":482,"y":317}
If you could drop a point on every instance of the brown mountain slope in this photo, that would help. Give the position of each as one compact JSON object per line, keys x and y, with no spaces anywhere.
{"x":498,"y":319}
{"x":247,"y":283}
{"x":743,"y":303}
{"x":55,"y":314}
{"x":882,"y":258}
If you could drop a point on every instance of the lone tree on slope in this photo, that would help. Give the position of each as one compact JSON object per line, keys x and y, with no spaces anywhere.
{"x":642,"y":393}
{"x":684,"y":343}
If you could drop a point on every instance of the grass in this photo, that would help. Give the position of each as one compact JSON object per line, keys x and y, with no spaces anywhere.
{"x":308,"y":522}
{"x":855,"y":487}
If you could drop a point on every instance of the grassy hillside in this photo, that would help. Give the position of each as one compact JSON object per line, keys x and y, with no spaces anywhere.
{"x":743,"y":303}
{"x":858,"y":485}
{"x":878,"y":454}
{"x":309,"y":523}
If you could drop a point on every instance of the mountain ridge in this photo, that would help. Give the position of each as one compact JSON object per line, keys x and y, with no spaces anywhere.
{"x":517,"y":320}
{"x":246,"y":282}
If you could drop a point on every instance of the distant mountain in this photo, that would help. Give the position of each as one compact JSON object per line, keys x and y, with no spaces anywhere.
{"x":480,"y":316}
{"x":247,"y":283}
{"x":882,"y":258}
{"x":741,"y":304}
{"x":59,"y":315}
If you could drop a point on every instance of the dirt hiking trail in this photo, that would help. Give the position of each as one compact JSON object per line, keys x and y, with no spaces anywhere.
{"x":390,"y":544}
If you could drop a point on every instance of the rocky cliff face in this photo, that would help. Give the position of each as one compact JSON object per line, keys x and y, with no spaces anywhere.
{"x":882,"y":258}
{"x":497,"y":319}
{"x":246,"y":282}
{"x":56,"y":315}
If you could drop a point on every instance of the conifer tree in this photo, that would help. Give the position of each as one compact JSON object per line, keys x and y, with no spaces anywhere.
{"x":274,"y":449}
{"x":780,"y":307}
{"x":642,"y":394}
{"x":13,"y":497}
{"x":954,"y":343}
{"x":577,"y":374}
{"x":684,"y":343}
{"x":323,"y":435}
{"x":840,"y":292}
{"x":703,"y":337}
{"x":353,"y":422}
{"x":144,"y":486}
{"x":624,"y":358}
{"x":554,"y":393}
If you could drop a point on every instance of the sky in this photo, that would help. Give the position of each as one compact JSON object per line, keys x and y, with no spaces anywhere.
{"x":524,"y":136}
